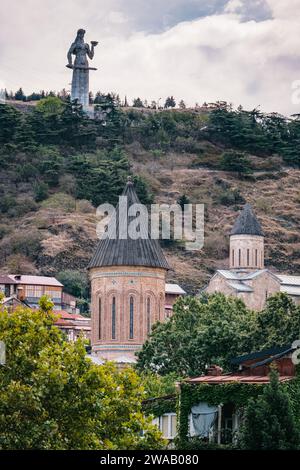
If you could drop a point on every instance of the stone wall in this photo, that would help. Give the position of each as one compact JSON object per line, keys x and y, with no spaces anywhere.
{"x":246,"y":252}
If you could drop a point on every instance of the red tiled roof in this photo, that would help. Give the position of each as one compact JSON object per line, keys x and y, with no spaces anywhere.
{"x":247,"y":379}
{"x":69,"y":316}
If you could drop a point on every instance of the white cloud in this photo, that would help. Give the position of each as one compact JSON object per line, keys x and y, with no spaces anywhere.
{"x":214,"y":57}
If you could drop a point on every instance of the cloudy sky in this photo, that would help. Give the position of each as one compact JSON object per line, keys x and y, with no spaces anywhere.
{"x":242,"y":51}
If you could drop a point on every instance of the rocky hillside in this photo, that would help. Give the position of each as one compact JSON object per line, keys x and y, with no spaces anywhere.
{"x":58,"y":233}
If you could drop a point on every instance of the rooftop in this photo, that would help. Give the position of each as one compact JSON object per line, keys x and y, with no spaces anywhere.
{"x":221,"y":379}
{"x":174,"y":289}
{"x":35,"y":280}
{"x":247,"y":223}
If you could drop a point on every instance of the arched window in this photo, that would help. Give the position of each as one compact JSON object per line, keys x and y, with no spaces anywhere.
{"x":240,"y":258}
{"x":113,"y":318}
{"x":100,"y":318}
{"x":131,"y":319}
{"x":148,"y":315}
{"x":248,"y":257}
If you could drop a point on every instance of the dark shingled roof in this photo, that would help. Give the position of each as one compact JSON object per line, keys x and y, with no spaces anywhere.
{"x":128,"y":252}
{"x":247,"y":223}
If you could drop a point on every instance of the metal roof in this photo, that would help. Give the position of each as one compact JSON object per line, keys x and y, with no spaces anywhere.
{"x":239,"y":286}
{"x":117,"y":251}
{"x":5,"y":279}
{"x":35,"y":280}
{"x":247,"y":379}
{"x":247,"y":223}
{"x":290,"y":280}
{"x":290,"y":290}
{"x":174,"y":289}
{"x":260,"y":354}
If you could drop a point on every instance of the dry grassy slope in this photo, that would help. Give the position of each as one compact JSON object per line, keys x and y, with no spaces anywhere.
{"x":69,"y":237}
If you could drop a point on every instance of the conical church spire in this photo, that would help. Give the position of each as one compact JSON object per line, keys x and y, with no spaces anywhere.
{"x":125,"y":251}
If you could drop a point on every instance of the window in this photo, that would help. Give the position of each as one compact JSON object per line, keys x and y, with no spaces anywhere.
{"x":131,"y":313}
{"x":148,"y":315}
{"x":232,"y":257}
{"x":248,"y":257}
{"x":240,"y":258}
{"x":256,"y":258}
{"x":100,"y":318}
{"x":113,"y":318}
{"x":167,"y":425}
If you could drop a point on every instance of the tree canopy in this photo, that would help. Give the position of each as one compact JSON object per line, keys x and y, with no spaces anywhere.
{"x":53,"y":397}
{"x":213,"y":330}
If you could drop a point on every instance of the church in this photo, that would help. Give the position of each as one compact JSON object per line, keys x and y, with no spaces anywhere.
{"x":129,"y":292}
{"x":128,"y":289}
{"x":247,"y":278}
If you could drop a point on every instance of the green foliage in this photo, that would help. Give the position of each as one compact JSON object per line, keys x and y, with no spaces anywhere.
{"x":53,"y":397}
{"x":278,"y":324}
{"x":269,"y":421}
{"x":209,"y":330}
{"x":236,"y":162}
{"x":50,"y":105}
{"x":75,"y":283}
{"x":170,"y":102}
{"x":235,"y":393}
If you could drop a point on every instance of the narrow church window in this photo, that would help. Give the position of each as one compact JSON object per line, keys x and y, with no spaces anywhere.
{"x":148,"y":315}
{"x":248,"y":257}
{"x":113,"y":318}
{"x":240,"y":261}
{"x":131,"y":318}
{"x":256,"y":260}
{"x":100,"y":319}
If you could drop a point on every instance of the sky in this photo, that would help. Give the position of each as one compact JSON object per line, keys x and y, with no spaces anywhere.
{"x":242,"y":51}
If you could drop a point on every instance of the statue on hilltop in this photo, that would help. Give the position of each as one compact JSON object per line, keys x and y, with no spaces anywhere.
{"x":80,"y":81}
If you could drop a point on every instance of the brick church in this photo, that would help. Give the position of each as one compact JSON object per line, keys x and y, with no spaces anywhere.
{"x":247,"y":277}
{"x":129,"y":290}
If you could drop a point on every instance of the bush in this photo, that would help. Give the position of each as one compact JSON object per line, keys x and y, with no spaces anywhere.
{"x":60,"y":201}
{"x":236,"y":162}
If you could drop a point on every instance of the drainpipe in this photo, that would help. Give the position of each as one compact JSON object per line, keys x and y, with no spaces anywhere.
{"x":219,"y":424}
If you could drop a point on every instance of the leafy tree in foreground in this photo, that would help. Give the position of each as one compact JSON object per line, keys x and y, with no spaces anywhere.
{"x":53,"y":397}
{"x":269,"y":420}
{"x":210,"y":330}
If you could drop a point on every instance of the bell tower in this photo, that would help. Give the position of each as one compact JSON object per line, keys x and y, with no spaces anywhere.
{"x":246,"y":242}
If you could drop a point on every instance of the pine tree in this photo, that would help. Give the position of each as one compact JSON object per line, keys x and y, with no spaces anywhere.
{"x":269,"y":420}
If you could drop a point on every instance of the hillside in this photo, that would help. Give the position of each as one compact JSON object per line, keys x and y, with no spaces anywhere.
{"x":54,"y":231}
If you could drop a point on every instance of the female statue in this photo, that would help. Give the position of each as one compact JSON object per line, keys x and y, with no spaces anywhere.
{"x":80,"y":80}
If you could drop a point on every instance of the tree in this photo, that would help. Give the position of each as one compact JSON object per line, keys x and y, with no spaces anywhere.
{"x":236,"y":162}
{"x":183,"y":200}
{"x":19,"y":95}
{"x":278,"y":324}
{"x":269,"y":420}
{"x":50,"y":105}
{"x":182,"y":104}
{"x":209,"y":330}
{"x":137,"y":103}
{"x":75,"y":282}
{"x":53,"y":397}
{"x":170,"y":102}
